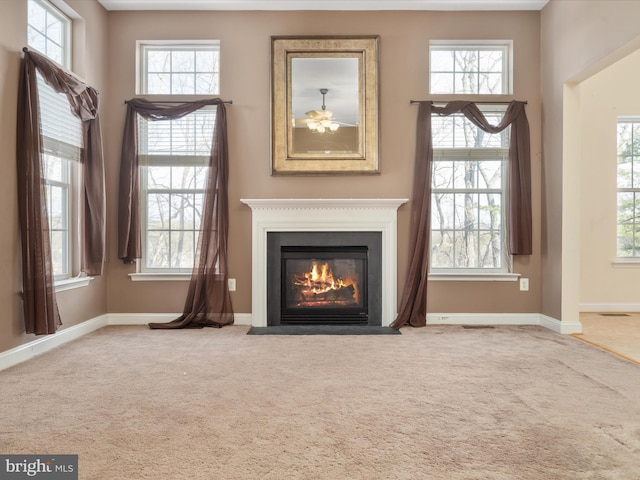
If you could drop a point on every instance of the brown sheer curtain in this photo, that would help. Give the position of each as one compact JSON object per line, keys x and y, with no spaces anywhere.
{"x":413,"y":306}
{"x":208,"y":300}
{"x":40,"y":308}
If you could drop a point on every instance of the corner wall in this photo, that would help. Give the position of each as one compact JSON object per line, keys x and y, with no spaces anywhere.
{"x":604,"y":97}
{"x":75,"y":306}
{"x":578,"y":38}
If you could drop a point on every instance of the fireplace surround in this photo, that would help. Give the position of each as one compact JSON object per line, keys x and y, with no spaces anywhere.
{"x":323,"y":215}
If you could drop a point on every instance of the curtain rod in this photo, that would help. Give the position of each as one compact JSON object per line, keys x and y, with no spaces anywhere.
{"x":480,"y":102}
{"x":179,"y":101}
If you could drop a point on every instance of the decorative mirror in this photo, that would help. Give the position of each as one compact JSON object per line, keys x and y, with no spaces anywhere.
{"x":324,"y":103}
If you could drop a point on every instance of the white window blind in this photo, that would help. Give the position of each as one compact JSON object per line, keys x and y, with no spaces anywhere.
{"x":61,"y":129}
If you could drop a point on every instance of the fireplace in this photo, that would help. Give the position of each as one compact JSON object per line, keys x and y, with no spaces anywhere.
{"x":324,"y":285}
{"x":327,"y":216}
{"x":324,"y":278}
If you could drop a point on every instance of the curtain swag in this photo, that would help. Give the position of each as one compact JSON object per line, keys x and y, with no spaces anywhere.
{"x":413,"y":306}
{"x":208,"y":300}
{"x":40,"y":307}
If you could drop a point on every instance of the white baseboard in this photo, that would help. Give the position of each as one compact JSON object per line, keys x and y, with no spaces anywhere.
{"x":43,"y":344}
{"x":483,"y":319}
{"x":242,"y":319}
{"x":564,"y":328}
{"x":504,"y":319}
{"x":610,"y":307}
{"x":145,"y":318}
{"x":140,"y":318}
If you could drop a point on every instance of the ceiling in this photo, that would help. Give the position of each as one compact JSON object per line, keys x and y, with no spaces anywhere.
{"x":443,"y":5}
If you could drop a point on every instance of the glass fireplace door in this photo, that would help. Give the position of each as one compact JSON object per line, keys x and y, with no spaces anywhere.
{"x":324,"y":285}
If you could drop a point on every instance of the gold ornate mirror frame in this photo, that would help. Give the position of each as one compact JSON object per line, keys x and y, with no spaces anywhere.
{"x":309,"y":77}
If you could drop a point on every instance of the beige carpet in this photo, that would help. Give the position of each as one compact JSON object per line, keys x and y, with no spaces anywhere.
{"x":618,"y":333}
{"x":441,"y":402}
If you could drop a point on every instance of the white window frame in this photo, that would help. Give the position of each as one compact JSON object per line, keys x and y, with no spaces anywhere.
{"x":65,"y":186}
{"x":506,"y":46}
{"x":71,"y":278}
{"x":145,"y":191}
{"x":144,"y":46}
{"x":144,"y":272}
{"x":70,"y":158}
{"x":66,"y":22}
{"x":630,"y":260}
{"x":505,"y":273}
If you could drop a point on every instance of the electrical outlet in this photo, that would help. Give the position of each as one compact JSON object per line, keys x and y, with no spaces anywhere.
{"x":232,"y":284}
{"x":524,"y":284}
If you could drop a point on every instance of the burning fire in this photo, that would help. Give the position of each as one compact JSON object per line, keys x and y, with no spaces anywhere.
{"x":320,"y":280}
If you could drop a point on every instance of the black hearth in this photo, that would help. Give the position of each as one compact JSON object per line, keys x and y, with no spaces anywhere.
{"x":324,"y":278}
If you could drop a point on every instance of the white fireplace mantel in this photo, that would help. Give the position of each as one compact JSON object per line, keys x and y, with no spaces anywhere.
{"x":323,"y":215}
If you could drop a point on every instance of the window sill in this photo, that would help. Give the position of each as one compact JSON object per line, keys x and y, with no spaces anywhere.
{"x":474,"y":277}
{"x":71,"y":283}
{"x":160,"y":277}
{"x":631,"y":262}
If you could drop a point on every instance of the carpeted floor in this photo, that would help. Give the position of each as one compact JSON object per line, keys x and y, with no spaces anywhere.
{"x":441,"y":402}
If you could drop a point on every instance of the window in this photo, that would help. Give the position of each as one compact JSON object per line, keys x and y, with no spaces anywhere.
{"x":628,"y":244}
{"x":49,"y":32}
{"x":179,"y":69}
{"x":62,"y":141}
{"x":467,"y":219}
{"x":470,"y":68}
{"x":56,"y":173}
{"x":174,"y":157}
{"x":174,"y":154}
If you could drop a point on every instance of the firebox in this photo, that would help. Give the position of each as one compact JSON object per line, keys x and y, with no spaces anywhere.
{"x":324,"y":278}
{"x":324,"y":284}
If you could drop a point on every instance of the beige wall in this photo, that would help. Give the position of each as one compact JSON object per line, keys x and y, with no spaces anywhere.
{"x":603,"y":98}
{"x":245,"y":67}
{"x":107,"y":60}
{"x":12,"y":39}
{"x":77,"y":305}
{"x":578,"y":38}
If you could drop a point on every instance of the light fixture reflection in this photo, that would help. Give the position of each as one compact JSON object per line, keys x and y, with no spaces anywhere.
{"x":320,"y":120}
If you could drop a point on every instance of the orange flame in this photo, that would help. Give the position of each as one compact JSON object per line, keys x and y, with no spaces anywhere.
{"x":320,"y":279}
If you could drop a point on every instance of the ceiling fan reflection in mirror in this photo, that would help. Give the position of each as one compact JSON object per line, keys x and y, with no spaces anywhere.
{"x":320,"y":121}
